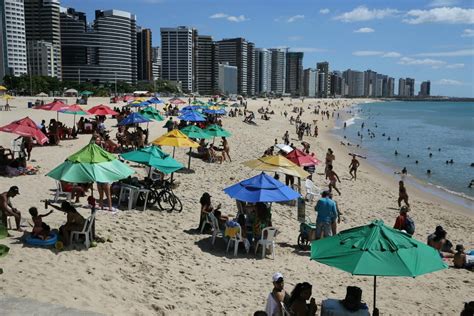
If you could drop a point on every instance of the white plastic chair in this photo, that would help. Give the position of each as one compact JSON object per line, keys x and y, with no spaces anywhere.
{"x":207,"y":220}
{"x":86,"y":232}
{"x":311,"y":190}
{"x":216,"y":231}
{"x":235,"y":240}
{"x":16,"y":147}
{"x":268,"y":242}
{"x":59,"y":192}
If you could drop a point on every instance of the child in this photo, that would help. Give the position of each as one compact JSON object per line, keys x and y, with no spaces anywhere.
{"x":461,"y":259}
{"x":40,"y":229}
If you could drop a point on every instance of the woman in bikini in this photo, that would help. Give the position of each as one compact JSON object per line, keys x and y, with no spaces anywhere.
{"x":333,"y":179}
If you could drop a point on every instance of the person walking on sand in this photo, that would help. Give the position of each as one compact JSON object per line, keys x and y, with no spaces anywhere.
{"x":402,"y":194}
{"x":330,"y":157}
{"x":333,"y":179}
{"x":353,"y":167}
{"x":225,"y":149}
{"x":278,"y":297}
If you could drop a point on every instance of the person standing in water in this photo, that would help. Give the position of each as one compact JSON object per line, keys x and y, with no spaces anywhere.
{"x":402,"y":194}
{"x":353,"y":167}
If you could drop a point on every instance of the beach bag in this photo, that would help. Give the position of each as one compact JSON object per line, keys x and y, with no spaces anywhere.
{"x":409,"y":225}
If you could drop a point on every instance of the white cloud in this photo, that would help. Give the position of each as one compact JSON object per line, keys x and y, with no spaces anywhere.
{"x":449,"y":82}
{"x":455,"y":66}
{"x":423,"y":62}
{"x":308,"y":49}
{"x":231,"y":18}
{"x":447,"y":15}
{"x":456,"y":53}
{"x":468,"y":33}
{"x":293,"y":18}
{"x":367,"y":53}
{"x":443,"y":3}
{"x":324,"y":11}
{"x":364,"y":30}
{"x":295,"y":38}
{"x":392,"y":55}
{"x":362,"y":13}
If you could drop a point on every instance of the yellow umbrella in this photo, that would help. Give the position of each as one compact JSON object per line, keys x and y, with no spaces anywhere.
{"x":2,"y":88}
{"x":214,"y":107}
{"x":175,"y":138}
{"x":7,"y":97}
{"x":277,"y":163}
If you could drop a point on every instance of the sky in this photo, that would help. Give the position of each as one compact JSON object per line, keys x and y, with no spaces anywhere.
{"x":422,"y":39}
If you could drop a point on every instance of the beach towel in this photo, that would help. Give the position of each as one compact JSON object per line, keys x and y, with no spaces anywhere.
{"x":3,"y":250}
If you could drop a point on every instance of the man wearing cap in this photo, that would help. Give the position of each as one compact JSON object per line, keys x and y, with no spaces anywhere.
{"x":326,"y":214}
{"x":7,"y":209}
{"x":277,"y":297}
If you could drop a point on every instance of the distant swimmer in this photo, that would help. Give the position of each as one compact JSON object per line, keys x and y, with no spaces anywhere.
{"x":428,"y":172}
{"x":429,"y":148}
{"x":398,"y":139}
{"x":383,"y":134}
{"x":451,"y":161}
{"x":345,"y":125}
{"x":447,"y":161}
{"x":471,"y":184}
{"x":472,"y":164}
{"x":408,"y":156}
{"x":431,"y":155}
{"x":416,"y":161}
{"x":439,"y":149}
{"x":396,"y":153}
{"x":404,"y":170}
{"x":388,"y":138}
{"x":362,"y":125}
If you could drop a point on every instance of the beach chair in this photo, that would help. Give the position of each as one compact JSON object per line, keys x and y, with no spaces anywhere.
{"x":311,"y":190}
{"x":268,"y":242}
{"x":206,"y":221}
{"x":59,"y":192}
{"x":16,"y":147}
{"x":216,"y":231}
{"x":86,"y":232}
{"x":235,"y":238}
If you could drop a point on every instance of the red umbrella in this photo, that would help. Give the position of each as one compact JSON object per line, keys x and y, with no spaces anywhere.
{"x":302,"y":159}
{"x":176,"y":101}
{"x":128,"y":98}
{"x":101,"y":110}
{"x":53,"y":106}
{"x":25,"y":127}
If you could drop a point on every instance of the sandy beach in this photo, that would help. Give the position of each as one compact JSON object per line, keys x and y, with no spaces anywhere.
{"x":156,"y":264}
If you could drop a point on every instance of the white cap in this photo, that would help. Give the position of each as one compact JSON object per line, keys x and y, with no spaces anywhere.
{"x":277,"y":276}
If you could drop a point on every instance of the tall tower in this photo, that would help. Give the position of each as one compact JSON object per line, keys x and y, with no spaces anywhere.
{"x":263,"y":71}
{"x":294,"y":73}
{"x":206,"y":65}
{"x":234,"y":51}
{"x":324,"y":79}
{"x":278,"y":70}
{"x":144,"y":55}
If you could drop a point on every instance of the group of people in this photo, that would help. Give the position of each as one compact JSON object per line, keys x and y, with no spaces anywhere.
{"x":209,"y":152}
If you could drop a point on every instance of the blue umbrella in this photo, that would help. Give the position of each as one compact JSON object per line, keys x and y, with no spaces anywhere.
{"x":261,"y":188}
{"x":191,"y":108}
{"x":192,"y":116}
{"x":217,"y":112}
{"x":134,"y":118}
{"x":155,"y":101}
{"x":141,"y":104}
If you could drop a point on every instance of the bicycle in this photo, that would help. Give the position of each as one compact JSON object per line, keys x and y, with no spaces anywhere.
{"x":161,"y":192}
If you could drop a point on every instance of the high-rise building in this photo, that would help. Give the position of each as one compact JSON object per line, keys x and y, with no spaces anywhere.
{"x":263,"y":71}
{"x":103,"y":52}
{"x":337,"y":84}
{"x":402,"y":87}
{"x":410,"y":87}
{"x":156,"y":63}
{"x":42,"y":26}
{"x":324,"y":79}
{"x":278,"y":79}
{"x":355,"y":81}
{"x":310,"y":82}
{"x":370,"y":83}
{"x":13,"y":59}
{"x":234,"y":51}
{"x":425,"y":88}
{"x":206,"y":65}
{"x":379,"y":86}
{"x":251,"y":83}
{"x":294,"y":73}
{"x":177,"y":55}
{"x":228,"y":79}
{"x":144,"y":55}
{"x":390,"y":87}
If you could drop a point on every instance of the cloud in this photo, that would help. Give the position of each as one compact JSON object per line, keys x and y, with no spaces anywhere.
{"x":443,"y":3}
{"x":449,"y":82}
{"x":364,"y":30}
{"x":362,"y":13}
{"x":365,"y":53}
{"x":456,"y":53}
{"x":231,"y":18}
{"x":423,"y":62}
{"x":324,"y":11}
{"x":447,"y":15}
{"x":455,"y":66}
{"x":468,"y":33}
{"x":308,"y":49}
{"x":392,"y":55}
{"x":293,"y":18}
{"x":295,"y":38}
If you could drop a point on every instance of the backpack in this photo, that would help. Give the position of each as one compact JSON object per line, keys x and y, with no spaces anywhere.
{"x":409,"y":225}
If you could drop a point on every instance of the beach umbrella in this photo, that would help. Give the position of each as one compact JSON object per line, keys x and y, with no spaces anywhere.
{"x":55,"y":106}
{"x":302,"y":159}
{"x":91,"y":164}
{"x":154,"y":157}
{"x":42,"y":95}
{"x":176,"y":101}
{"x":276,"y":163}
{"x":377,"y":250}
{"x":25,"y":127}
{"x":2,"y":88}
{"x":192,"y":131}
{"x":261,"y":188}
{"x":215,"y":112}
{"x":191,"y":108}
{"x":151,"y":113}
{"x":217,"y":131}
{"x":192,"y":116}
{"x":87,"y":93}
{"x":74,"y":109}
{"x":128,"y":98}
{"x":142,"y":104}
{"x":7,"y":97}
{"x":285,"y":148}
{"x":101,"y":110}
{"x":134,"y":118}
{"x":155,"y":100}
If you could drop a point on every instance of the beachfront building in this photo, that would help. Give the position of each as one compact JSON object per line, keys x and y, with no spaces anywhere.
{"x":177,"y":55}
{"x":310,"y":82}
{"x":263,"y":71}
{"x":425,"y":89}
{"x":355,"y":82}
{"x":294,"y":73}
{"x":13,"y":60}
{"x":102,"y":52}
{"x":43,"y":37}
{"x":337,"y":84}
{"x":144,"y":55}
{"x":324,"y":79}
{"x":251,"y":65}
{"x":401,"y":87}
{"x":206,"y":67}
{"x":406,"y":87}
{"x":370,"y":83}
{"x":156,"y":63}
{"x":228,"y":79}
{"x":278,"y":78}
{"x":234,"y":52}
{"x":390,"y":87}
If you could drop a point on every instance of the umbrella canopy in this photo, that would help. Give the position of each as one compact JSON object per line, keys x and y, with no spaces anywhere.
{"x":7,"y":97}
{"x":142,"y":104}
{"x":261,"y":188}
{"x":2,"y":88}
{"x":191,"y":108}
{"x":151,"y":113}
{"x":25,"y":127}
{"x":91,"y":164}
{"x":175,"y":138}
{"x":276,"y":163}
{"x":377,"y":250}
{"x":86,"y":92}
{"x":74,"y":109}
{"x":71,"y":91}
{"x":154,"y":157}
{"x":42,"y":94}
{"x":192,"y":116}
{"x":215,"y":112}
{"x":217,"y":131}
{"x":53,"y":106}
{"x":134,"y":118}
{"x":286,"y":148}
{"x":155,"y":101}
{"x":176,"y":101}
{"x":302,"y":159}
{"x":101,"y":110}
{"x":193,"y":131}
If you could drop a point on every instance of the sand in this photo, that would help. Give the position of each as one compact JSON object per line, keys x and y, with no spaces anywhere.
{"x":156,"y":264}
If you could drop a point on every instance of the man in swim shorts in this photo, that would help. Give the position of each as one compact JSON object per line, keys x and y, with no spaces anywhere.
{"x":7,"y":209}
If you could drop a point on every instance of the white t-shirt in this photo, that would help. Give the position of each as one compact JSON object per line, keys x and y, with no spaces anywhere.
{"x":273,"y":307}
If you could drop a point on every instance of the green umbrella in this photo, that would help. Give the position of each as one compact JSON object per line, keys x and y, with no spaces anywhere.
{"x":151,"y":113}
{"x":154,"y":157}
{"x":86,"y":92}
{"x":377,"y":250}
{"x":192,"y":131}
{"x":91,"y":164}
{"x":217,"y":131}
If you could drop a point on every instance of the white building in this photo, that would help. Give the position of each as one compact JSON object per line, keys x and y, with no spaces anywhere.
{"x":310,"y":82}
{"x":228,"y":76}
{"x":13,"y":58}
{"x":278,"y":70}
{"x":263,"y":70}
{"x":41,"y":55}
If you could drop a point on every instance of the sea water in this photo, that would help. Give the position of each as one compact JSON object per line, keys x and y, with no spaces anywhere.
{"x":415,"y":130}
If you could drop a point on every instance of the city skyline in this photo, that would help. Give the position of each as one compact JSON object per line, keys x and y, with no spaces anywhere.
{"x":426,"y":40}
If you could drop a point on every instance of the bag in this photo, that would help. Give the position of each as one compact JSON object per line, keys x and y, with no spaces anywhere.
{"x":409,"y":225}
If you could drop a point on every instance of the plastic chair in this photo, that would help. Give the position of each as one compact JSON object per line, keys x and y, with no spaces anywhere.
{"x":86,"y":231}
{"x":16,"y":147}
{"x":311,"y":190}
{"x":59,"y":191}
{"x":127,"y":192}
{"x":268,"y":242}
{"x":206,"y":221}
{"x":216,"y":231}
{"x":236,"y":239}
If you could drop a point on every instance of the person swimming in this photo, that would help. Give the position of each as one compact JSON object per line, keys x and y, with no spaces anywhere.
{"x":431,"y":155}
{"x":396,"y":153}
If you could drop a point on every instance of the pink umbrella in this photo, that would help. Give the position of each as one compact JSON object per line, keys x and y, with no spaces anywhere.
{"x":25,"y":127}
{"x":101,"y":110}
{"x":53,"y":106}
{"x":176,"y":101}
{"x":302,"y":159}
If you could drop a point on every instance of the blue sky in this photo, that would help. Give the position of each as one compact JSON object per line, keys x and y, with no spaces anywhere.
{"x":426,"y":40}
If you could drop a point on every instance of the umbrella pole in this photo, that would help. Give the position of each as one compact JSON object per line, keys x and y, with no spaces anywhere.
{"x":189,"y":159}
{"x":375,"y":311}
{"x":174,"y":148}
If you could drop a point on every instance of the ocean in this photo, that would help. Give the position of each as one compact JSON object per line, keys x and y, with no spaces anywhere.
{"x":428,"y":132}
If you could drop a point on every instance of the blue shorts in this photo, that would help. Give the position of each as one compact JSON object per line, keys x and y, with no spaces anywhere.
{"x":323,"y":228}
